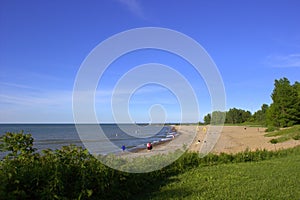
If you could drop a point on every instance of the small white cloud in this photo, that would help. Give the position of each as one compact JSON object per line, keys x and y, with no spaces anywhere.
{"x":134,"y":6}
{"x":15,"y":85}
{"x":292,"y":60}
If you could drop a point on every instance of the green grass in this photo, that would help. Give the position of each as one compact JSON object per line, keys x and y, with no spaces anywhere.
{"x":285,"y":134}
{"x":250,"y":124}
{"x":271,"y":179}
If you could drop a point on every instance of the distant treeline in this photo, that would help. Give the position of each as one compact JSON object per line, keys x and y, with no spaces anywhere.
{"x":284,"y":111}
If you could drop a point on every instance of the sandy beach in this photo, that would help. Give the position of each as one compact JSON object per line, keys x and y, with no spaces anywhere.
{"x":235,"y":139}
{"x":232,"y":139}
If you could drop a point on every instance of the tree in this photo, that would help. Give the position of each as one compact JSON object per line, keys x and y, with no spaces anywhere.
{"x":218,"y":117}
{"x":297,"y":87}
{"x":236,"y":116}
{"x":260,"y":115}
{"x":285,"y":109}
{"x":246,"y":115}
{"x":215,"y":118}
{"x":207,"y":118}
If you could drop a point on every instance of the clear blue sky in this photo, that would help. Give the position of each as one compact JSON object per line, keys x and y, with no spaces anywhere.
{"x":43,"y":43}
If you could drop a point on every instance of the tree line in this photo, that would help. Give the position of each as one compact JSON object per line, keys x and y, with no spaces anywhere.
{"x":284,"y":111}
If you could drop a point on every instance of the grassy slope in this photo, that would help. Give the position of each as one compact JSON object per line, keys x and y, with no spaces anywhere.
{"x":286,"y":134}
{"x":272,"y":179}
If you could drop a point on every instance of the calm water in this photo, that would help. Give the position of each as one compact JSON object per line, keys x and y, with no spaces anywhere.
{"x":54,"y":136}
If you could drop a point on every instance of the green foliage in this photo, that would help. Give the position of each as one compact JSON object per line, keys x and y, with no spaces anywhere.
{"x":201,"y":123}
{"x":297,"y":87}
{"x":218,"y":117}
{"x":261,"y":115}
{"x":285,"y":134}
{"x":271,"y":129}
{"x":233,"y":116}
{"x":237,"y":116}
{"x":296,"y":137}
{"x":207,"y":118}
{"x":274,"y":141}
{"x":215,"y":118}
{"x":283,"y":112}
{"x":17,"y":144}
{"x":285,"y":109}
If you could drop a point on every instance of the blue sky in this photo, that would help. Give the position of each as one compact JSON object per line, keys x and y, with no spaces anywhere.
{"x":43,"y":43}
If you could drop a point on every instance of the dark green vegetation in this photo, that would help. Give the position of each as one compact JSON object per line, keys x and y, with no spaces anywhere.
{"x":233,"y":116}
{"x":285,"y":134}
{"x":72,"y":173}
{"x":284,"y":111}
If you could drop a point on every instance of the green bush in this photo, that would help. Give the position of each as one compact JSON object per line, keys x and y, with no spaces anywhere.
{"x":296,"y":137}
{"x":271,"y":129}
{"x":17,"y":144}
{"x":274,"y":141}
{"x":285,"y":134}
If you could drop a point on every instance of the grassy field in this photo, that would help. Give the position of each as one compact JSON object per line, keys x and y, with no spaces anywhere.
{"x":285,"y":134}
{"x":277,"y":178}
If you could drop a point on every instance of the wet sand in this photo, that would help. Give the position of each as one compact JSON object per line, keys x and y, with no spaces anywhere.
{"x":184,"y":138}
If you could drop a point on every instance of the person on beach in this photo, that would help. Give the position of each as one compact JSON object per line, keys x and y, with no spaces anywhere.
{"x":123,"y":147}
{"x":149,"y":146}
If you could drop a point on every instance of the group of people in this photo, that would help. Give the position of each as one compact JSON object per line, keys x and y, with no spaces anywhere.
{"x":149,"y":146}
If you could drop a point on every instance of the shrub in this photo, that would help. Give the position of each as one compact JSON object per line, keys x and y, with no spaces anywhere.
{"x":17,"y":144}
{"x":274,"y":141}
{"x":296,"y":137}
{"x":271,"y":129}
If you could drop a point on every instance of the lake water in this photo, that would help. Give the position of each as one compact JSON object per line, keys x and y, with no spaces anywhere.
{"x":54,"y":136}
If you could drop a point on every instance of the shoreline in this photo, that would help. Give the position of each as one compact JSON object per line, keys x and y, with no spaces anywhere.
{"x":165,"y":147}
{"x":141,"y":149}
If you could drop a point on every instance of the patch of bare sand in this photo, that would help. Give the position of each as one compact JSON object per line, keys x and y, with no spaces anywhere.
{"x":235,"y":139}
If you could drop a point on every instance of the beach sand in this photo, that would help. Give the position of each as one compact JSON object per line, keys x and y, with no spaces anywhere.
{"x":233,"y":139}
